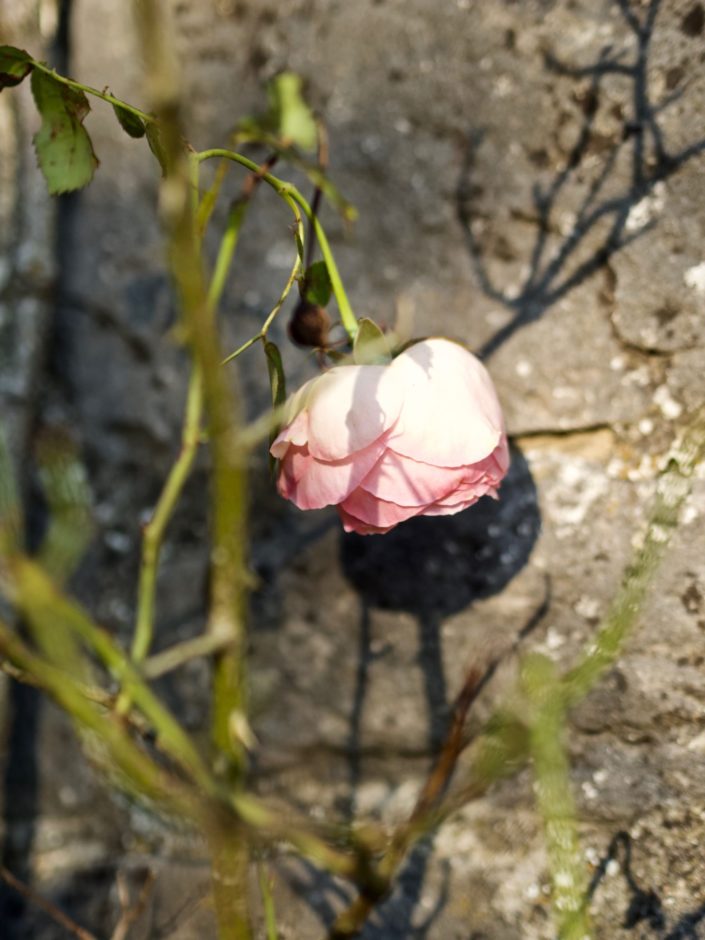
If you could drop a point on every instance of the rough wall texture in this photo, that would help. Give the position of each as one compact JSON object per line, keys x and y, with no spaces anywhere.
{"x":529,"y":178}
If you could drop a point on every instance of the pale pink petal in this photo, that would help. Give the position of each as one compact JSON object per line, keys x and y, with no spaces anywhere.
{"x":464,"y":494}
{"x":313,"y":484}
{"x":349,"y":408}
{"x":294,"y":433}
{"x":439,"y":509}
{"x":377,"y":512}
{"x":408,"y":482}
{"x":451,"y":416}
{"x":351,"y":524}
{"x":501,"y":456}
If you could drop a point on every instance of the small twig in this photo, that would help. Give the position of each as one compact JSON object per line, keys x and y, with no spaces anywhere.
{"x":176,"y":656}
{"x":131,"y":913}
{"x":56,"y":914}
{"x":322,"y":161}
{"x":184,"y":913}
{"x":453,"y":746}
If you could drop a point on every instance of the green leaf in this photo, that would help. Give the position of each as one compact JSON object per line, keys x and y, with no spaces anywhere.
{"x":291,"y":115}
{"x":316,"y":287}
{"x":319,"y":179}
{"x":15,"y":65}
{"x":277,"y":384}
{"x":370,"y":346}
{"x":210,"y":197}
{"x":156,"y":146}
{"x":129,"y":122}
{"x":277,"y":379}
{"x":288,"y":121}
{"x":64,"y":149}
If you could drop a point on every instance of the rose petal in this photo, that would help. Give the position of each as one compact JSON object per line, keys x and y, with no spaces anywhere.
{"x":498,"y":461}
{"x":313,"y":484}
{"x":377,"y":512}
{"x":294,"y":433}
{"x":451,"y":416}
{"x":349,"y":408}
{"x":408,"y":482}
{"x":351,"y":524}
{"x":439,"y":509}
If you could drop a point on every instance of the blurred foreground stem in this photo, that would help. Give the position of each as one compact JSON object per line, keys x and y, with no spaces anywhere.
{"x":230,"y":851}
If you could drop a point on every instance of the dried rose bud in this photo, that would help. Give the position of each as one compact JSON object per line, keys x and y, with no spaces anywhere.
{"x":309,"y":325}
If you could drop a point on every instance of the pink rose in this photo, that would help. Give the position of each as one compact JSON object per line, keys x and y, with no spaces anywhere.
{"x":422,"y":436}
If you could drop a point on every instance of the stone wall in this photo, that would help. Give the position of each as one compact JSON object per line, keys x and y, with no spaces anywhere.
{"x":529,"y":178}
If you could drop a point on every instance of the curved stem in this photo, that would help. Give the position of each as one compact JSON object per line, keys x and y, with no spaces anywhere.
{"x":153,"y":535}
{"x":291,"y":194}
{"x":271,"y":316}
{"x":87,"y":89}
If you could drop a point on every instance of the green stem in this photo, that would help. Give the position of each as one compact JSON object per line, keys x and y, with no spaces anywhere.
{"x":290,"y":193}
{"x":265,"y":890}
{"x":241,"y":349}
{"x":672,"y":489}
{"x":87,"y":89}
{"x":262,"y":335}
{"x":554,"y":797}
{"x":50,"y":612}
{"x":226,"y":251}
{"x":229,"y":877}
{"x":155,"y":528}
{"x":129,"y":765}
{"x":180,"y":654}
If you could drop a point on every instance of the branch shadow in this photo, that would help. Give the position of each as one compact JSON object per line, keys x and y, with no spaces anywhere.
{"x":433,"y":568}
{"x":645,"y":906}
{"x":391,"y":920}
{"x":552,"y":276}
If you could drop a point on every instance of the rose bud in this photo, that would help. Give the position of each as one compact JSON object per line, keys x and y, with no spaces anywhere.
{"x":309,"y":325}
{"x":421,"y":436}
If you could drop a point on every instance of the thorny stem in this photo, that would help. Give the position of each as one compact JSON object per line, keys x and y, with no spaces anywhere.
{"x":290,"y":194}
{"x":87,"y":89}
{"x":229,"y":850}
{"x":155,"y":528}
{"x":554,"y":797}
{"x":48,"y":611}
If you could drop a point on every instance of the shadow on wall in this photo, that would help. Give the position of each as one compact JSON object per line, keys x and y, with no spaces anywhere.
{"x":554,"y":272}
{"x":435,"y":567}
{"x":430,"y":568}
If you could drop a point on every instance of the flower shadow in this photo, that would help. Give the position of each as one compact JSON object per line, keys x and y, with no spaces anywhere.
{"x":435,"y":567}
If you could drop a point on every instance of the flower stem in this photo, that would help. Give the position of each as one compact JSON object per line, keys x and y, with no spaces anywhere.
{"x":290,"y":194}
{"x":155,"y":528}
{"x":87,"y":89}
